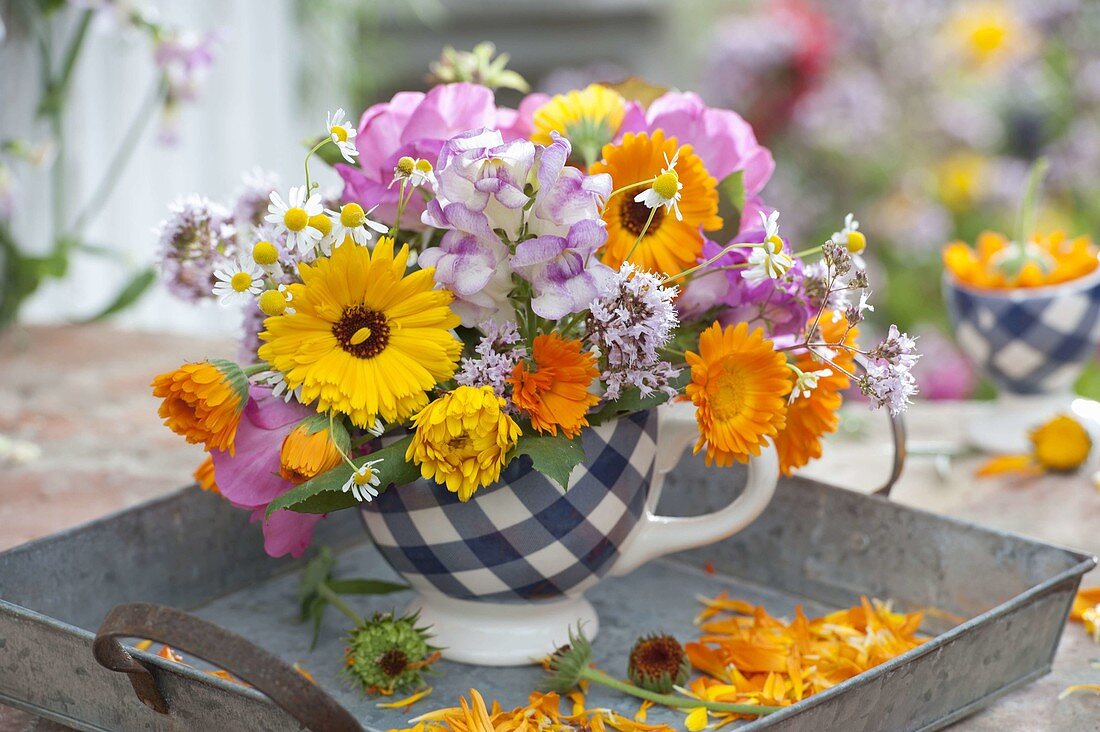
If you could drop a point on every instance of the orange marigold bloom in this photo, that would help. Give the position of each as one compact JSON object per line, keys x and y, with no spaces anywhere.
{"x":204,"y":476}
{"x":203,"y":402}
{"x":738,"y":384}
{"x":670,"y":245}
{"x":555,"y":393}
{"x":309,"y":450}
{"x":809,"y":418}
{"x":1063,"y":259}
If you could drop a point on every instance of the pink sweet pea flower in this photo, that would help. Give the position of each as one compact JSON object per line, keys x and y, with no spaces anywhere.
{"x":250,"y":479}
{"x":413,"y":124}
{"x":721,"y":138}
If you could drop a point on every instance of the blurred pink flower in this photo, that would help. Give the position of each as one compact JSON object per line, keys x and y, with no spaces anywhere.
{"x":250,"y":479}
{"x":413,"y":124}
{"x":943,"y":372}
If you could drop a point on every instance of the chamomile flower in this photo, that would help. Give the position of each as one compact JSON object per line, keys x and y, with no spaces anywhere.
{"x":293,"y":217}
{"x":353,"y":221}
{"x":343,"y":134}
{"x":665,"y":190}
{"x":266,"y":255}
{"x":238,"y":282}
{"x":276,"y":302}
{"x":768,"y":260}
{"x":364,"y":482}
{"x":806,"y":381}
{"x":416,"y":171}
{"x":850,"y":236}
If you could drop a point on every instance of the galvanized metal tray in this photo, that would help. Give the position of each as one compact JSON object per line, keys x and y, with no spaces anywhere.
{"x":816,"y":545}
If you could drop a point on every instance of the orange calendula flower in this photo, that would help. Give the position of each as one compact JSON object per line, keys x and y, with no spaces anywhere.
{"x":555,"y":392}
{"x":204,"y":475}
{"x":995,"y":263}
{"x":1060,"y":445}
{"x":203,"y":402}
{"x":809,"y":418}
{"x":1086,"y":610}
{"x":311,"y":449}
{"x":738,"y":385}
{"x":670,"y":244}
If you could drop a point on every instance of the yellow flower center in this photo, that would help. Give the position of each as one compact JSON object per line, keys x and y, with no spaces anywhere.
{"x":423,"y":166}
{"x":272,"y":302}
{"x":264,"y":253}
{"x":405,"y":166}
{"x":728,"y":398}
{"x":352,"y":215}
{"x":667,"y":184}
{"x":296,"y":218}
{"x":322,"y":223}
{"x":857,"y":242}
{"x":1061,"y":444}
{"x":339,"y":133}
{"x":363,"y":477}
{"x":988,"y":36}
{"x":773,"y":244}
{"x":241,"y":282}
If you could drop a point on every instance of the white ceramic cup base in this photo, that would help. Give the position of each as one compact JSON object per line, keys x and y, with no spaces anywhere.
{"x":1002,"y":426}
{"x":503,"y":634}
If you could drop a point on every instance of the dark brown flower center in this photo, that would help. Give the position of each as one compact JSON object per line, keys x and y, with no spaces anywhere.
{"x":654,"y":656}
{"x":362,"y":332}
{"x":393,"y":662}
{"x":633,"y":216}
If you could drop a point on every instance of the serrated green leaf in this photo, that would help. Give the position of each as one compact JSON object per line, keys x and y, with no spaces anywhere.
{"x":365,"y":587}
{"x":554,"y":456}
{"x":324,"y":494}
{"x":127,"y":296}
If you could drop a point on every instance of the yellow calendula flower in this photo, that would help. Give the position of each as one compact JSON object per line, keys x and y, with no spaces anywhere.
{"x":989,"y":33}
{"x":589,"y":119}
{"x":1060,"y":445}
{"x":462,"y":438}
{"x":203,"y":402}
{"x":365,"y":338}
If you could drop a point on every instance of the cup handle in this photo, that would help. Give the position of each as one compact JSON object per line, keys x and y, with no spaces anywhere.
{"x":657,"y":535}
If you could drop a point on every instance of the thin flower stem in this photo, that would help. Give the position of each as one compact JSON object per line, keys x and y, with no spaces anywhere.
{"x":1029,"y":204}
{"x":652,"y":213}
{"x":725,"y":250}
{"x":338,"y":602}
{"x":122,"y":155}
{"x":627,"y":188}
{"x":671,"y":700}
{"x":335,"y":444}
{"x":255,"y":368}
{"x":725,"y":268}
{"x":401,"y":203}
{"x":807,"y":252}
{"x":315,"y":148}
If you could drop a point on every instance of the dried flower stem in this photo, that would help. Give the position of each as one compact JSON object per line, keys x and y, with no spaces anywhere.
{"x":671,"y":700}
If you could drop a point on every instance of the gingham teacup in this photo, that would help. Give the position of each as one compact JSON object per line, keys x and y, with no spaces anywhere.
{"x":1030,"y":340}
{"x":500,"y":577}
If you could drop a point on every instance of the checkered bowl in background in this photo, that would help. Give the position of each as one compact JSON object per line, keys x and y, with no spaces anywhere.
{"x":522,"y":538}
{"x":1029,"y":341}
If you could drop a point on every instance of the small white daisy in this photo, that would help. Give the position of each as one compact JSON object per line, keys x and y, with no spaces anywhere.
{"x":292,"y":216}
{"x":238,"y":282}
{"x":364,"y":482}
{"x":343,"y":134}
{"x":353,"y":221}
{"x":416,"y":171}
{"x":768,"y":260}
{"x":665,"y":190}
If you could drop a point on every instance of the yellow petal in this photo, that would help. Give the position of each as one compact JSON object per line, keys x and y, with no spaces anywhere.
{"x":696,"y":719}
{"x":407,"y":701}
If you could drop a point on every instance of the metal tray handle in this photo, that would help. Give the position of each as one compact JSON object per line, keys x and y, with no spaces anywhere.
{"x":300,"y":698}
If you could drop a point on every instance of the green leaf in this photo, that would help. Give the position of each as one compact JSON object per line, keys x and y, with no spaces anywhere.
{"x":324,"y":493}
{"x":731,"y":202}
{"x":127,"y":296}
{"x":632,"y":401}
{"x":365,"y":587}
{"x":313,"y":576}
{"x":316,"y":613}
{"x":554,"y":456}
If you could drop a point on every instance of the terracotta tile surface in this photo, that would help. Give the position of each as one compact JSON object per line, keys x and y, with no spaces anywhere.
{"x":82,"y":395}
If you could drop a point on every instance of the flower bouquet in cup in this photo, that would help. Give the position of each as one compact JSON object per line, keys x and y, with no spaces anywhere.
{"x":471,"y":340}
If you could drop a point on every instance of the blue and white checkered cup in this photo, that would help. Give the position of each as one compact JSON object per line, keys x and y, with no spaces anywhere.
{"x":501,"y":577}
{"x":1032,"y":343}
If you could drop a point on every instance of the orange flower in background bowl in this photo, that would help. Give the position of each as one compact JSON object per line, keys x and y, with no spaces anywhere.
{"x":995,"y":263}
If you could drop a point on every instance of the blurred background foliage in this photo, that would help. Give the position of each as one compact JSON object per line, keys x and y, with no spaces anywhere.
{"x":921,"y":117}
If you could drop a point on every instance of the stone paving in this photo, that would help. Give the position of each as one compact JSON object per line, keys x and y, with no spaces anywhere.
{"x":81,"y":395}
